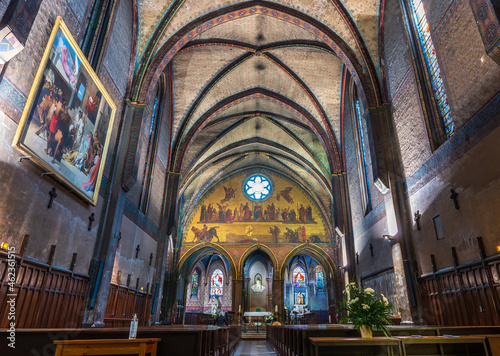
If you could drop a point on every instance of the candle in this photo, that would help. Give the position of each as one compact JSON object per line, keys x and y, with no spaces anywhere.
{"x":276,"y":308}
{"x":239,"y":309}
{"x":329,"y":319}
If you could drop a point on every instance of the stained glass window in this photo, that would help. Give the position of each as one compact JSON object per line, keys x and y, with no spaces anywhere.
{"x":320,"y":284}
{"x":194,"y":283}
{"x":363,"y":164}
{"x":257,"y":187}
{"x":216,"y":282}
{"x":299,"y":277}
{"x":432,"y":64}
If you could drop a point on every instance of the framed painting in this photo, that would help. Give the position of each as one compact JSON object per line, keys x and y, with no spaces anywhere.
{"x":67,"y":121}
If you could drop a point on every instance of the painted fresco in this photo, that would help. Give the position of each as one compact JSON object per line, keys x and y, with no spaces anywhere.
{"x":285,"y":215}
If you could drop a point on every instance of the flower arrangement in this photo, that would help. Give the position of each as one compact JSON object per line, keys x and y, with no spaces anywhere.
{"x":269,"y":318}
{"x":366,"y":309}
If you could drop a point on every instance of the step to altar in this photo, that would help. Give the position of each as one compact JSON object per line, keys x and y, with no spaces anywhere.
{"x":253,"y":336}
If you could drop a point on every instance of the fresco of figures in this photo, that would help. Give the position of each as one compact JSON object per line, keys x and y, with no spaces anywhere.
{"x":227,"y":215}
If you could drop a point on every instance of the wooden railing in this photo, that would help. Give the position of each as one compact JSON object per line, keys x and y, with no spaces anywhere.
{"x":123,"y":303}
{"x":467,"y":295}
{"x":45,"y":296}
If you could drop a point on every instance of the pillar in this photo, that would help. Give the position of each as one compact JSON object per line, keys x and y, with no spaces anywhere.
{"x":110,"y":222}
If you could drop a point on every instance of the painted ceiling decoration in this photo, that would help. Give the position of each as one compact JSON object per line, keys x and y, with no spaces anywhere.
{"x":257,"y":88}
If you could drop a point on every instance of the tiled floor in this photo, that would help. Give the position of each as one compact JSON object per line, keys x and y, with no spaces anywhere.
{"x":254,"y":347}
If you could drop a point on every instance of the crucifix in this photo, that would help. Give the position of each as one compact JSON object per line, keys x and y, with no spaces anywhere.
{"x":150,"y":259}
{"x":357,"y":258}
{"x":416,"y":218}
{"x":371,"y":250}
{"x":137,"y":249}
{"x":91,"y":220}
{"x":53,"y":195}
{"x":454,"y":196}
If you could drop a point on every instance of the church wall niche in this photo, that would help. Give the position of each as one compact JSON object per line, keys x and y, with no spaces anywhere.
{"x":259,"y":289}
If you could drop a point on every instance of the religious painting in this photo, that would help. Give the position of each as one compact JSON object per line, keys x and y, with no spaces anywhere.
{"x":66,"y":123}
{"x":216,"y":283}
{"x":253,"y":208}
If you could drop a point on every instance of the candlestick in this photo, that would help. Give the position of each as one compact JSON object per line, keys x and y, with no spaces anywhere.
{"x":239,"y":309}
{"x":276,"y":308}
{"x":329,"y":319}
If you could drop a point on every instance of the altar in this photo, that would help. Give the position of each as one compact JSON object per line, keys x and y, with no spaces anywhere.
{"x":256,"y":316}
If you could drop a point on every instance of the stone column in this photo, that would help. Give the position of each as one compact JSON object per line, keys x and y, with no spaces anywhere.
{"x":169,"y":210}
{"x":110,"y":222}
{"x":278,"y":297}
{"x":237,"y":298}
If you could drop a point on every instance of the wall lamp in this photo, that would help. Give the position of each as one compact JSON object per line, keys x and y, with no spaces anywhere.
{"x":390,"y":238}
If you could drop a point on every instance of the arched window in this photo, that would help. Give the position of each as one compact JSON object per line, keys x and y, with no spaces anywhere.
{"x":299,"y":277}
{"x":194,"y":283}
{"x":299,"y":286}
{"x":320,"y":281}
{"x":216,"y":282}
{"x":437,"y":110}
{"x":359,"y":138}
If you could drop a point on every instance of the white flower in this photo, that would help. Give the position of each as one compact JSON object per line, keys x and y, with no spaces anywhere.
{"x":370,"y":291}
{"x":354,"y":300}
{"x":385,"y":300}
{"x":366,"y":306}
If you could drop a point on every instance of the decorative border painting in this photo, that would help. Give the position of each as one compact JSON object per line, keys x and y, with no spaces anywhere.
{"x":67,"y":121}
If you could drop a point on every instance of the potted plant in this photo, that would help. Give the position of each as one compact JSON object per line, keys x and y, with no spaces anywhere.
{"x":366,"y":310}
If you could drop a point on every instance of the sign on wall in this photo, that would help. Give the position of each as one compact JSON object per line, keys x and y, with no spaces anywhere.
{"x":66,"y":123}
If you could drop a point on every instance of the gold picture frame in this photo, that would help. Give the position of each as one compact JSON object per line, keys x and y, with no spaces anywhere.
{"x":67,"y":121}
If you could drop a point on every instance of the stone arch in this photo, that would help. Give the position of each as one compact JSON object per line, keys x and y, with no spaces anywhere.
{"x":202,"y":249}
{"x":313,"y":251}
{"x":258,"y":247}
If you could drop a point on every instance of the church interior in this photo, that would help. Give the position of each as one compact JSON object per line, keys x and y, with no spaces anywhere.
{"x":179,"y":160}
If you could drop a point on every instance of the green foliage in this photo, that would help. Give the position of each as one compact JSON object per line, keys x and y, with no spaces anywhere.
{"x":364,"y":307}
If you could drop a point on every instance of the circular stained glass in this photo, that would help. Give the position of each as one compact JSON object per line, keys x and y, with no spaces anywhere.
{"x":257,"y":187}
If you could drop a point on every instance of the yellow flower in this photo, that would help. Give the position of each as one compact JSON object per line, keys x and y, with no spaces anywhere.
{"x":369,"y":291}
{"x":366,"y":306}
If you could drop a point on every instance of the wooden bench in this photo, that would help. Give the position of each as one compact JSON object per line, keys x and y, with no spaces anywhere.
{"x":139,"y":347}
{"x":444,"y":345}
{"x":354,"y":346}
{"x":176,"y":340}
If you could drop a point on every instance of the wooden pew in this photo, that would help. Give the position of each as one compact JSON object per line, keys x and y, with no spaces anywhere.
{"x":139,"y":347}
{"x":182,"y":340}
{"x":440,"y":345}
{"x":354,"y":346}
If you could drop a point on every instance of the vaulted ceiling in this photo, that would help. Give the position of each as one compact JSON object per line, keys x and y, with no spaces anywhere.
{"x":258,"y":84}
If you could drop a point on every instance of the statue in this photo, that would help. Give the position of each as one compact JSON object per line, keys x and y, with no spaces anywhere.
{"x":258,"y":287}
{"x":300,"y":299}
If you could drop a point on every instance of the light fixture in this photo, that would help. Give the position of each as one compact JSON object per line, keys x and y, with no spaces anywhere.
{"x":390,"y":238}
{"x":337,"y":230}
{"x":4,"y":246}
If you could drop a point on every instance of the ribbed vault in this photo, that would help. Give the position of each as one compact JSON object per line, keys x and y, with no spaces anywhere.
{"x":257,"y":85}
